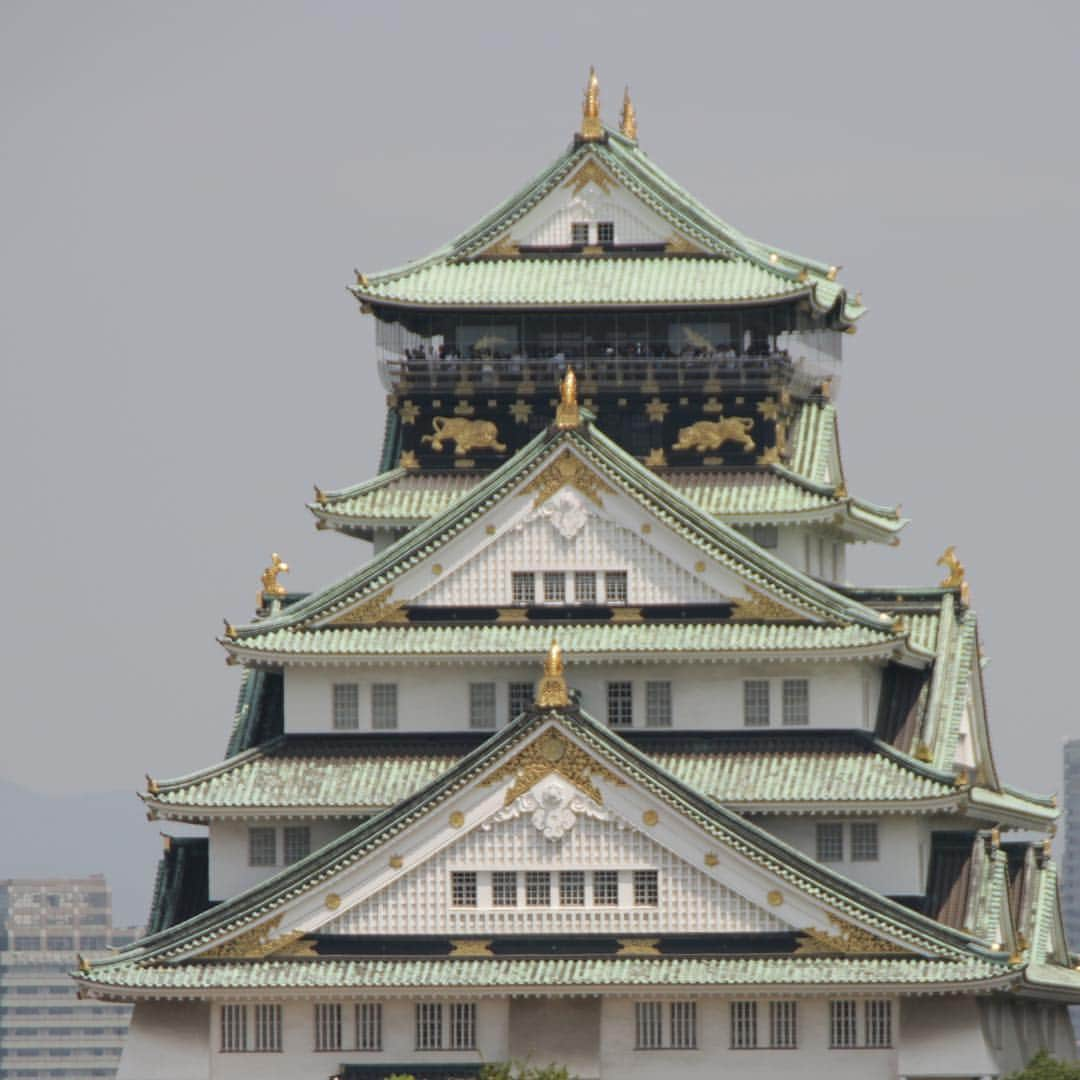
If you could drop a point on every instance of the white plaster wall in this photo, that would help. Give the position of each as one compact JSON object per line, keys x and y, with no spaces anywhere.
{"x":167,"y":1041}
{"x":944,"y":1036}
{"x":903,"y":847}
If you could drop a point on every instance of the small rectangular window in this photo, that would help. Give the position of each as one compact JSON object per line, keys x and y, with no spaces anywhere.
{"x":296,"y":841}
{"x":268,"y":1029}
{"x":864,"y":841}
{"x":572,"y":888}
{"x":683,"y":1025}
{"x":756,"y":703}
{"x":504,"y":890}
{"x":428,"y":1026}
{"x":537,"y":888}
{"x":650,"y":1031}
{"x":579,"y":232}
{"x":262,"y":847}
{"x":605,"y":888}
{"x":522,"y":695}
{"x":482,"y":705}
{"x":346,"y":706}
{"x":523,"y":588}
{"x":233,"y":1029}
{"x":646,"y":888}
{"x":783,"y":1032}
{"x":463,"y":888}
{"x":462,"y":1026}
{"x":327,"y":1027}
{"x":842,"y":1025}
{"x":383,"y":706}
{"x":615,"y":591}
{"x":369,"y":1026}
{"x":620,"y":704}
{"x":878,"y":1022}
{"x":605,"y":232}
{"x":744,"y":1025}
{"x":554,"y":587}
{"x":658,"y":704}
{"x":766,"y":536}
{"x":830,"y":842}
{"x":585,"y":587}
{"x":796,"y":702}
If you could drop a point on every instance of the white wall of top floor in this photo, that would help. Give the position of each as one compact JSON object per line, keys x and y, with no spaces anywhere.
{"x":951,"y":1036}
{"x":705,"y":696}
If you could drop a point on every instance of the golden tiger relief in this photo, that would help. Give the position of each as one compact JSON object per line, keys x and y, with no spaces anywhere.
{"x":466,"y":434}
{"x":712,"y":434}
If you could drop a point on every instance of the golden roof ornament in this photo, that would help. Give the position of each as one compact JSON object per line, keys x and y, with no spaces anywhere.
{"x":956,"y":575}
{"x":591,"y":128}
{"x":553,"y":693}
{"x":271,"y":587}
{"x":568,"y":413}
{"x":628,"y":120}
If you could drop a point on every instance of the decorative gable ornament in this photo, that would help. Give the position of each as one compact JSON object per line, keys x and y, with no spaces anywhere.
{"x":566,"y":513}
{"x":567,"y":470}
{"x":554,"y":809}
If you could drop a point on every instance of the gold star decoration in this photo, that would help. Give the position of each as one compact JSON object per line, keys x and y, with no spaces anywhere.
{"x":768,"y":409}
{"x":520,"y":411}
{"x":408,"y":412}
{"x":656,"y":410}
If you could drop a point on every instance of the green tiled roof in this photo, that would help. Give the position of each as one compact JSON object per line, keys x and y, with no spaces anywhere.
{"x":1009,"y":804}
{"x":813,"y":438}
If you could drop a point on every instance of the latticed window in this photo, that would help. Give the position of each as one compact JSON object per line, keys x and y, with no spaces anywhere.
{"x":620,"y":704}
{"x":327,"y":1027}
{"x":605,"y":232}
{"x":383,"y":706}
{"x":428,"y":1026}
{"x":756,"y":702}
{"x":346,"y":706}
{"x":462,"y":1026}
{"x":233,"y":1029}
{"x":523,"y":588}
{"x":843,"y":1024}
{"x":554,"y":587}
{"x":522,"y":695}
{"x":658,"y":704}
{"x":268,"y":1028}
{"x":482,"y":705}
{"x":585,"y":587}
{"x":864,"y":841}
{"x":878,"y":1022}
{"x":795,"y":700}
{"x":262,"y":847}
{"x":504,"y":890}
{"x":783,"y":1019}
{"x":744,"y":1025}
{"x":830,"y":841}
{"x":683,"y":1025}
{"x":579,"y":232}
{"x":537,"y":888}
{"x":572,"y":888}
{"x":650,"y":1025}
{"x":615,"y":587}
{"x":463,"y":888}
{"x":369,"y":1026}
{"x":606,"y":887}
{"x":646,"y":888}
{"x":296,"y":841}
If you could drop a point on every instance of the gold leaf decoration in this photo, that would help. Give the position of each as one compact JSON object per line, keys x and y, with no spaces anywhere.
{"x":646,"y":946}
{"x":590,"y":173}
{"x":255,"y":943}
{"x":847,"y":940}
{"x":379,"y":610}
{"x":503,"y":248}
{"x":677,"y":244}
{"x":470,"y":947}
{"x":761,"y":608}
{"x":567,"y":470}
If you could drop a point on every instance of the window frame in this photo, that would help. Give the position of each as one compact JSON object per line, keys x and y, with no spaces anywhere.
{"x":464,"y":891}
{"x":744,"y":1025}
{"x":519,"y":595}
{"x":263,"y":833}
{"x":293,"y":833}
{"x":267,"y":1029}
{"x":367,"y":1020}
{"x":619,"y":694}
{"x":783,"y":1025}
{"x":616,"y":588}
{"x":553,"y":587}
{"x":384,"y":706}
{"x":864,"y":842}
{"x":234,"y":1029}
{"x":483,"y":714}
{"x":585,"y":583}
{"x":601,"y":880}
{"x":757,"y":703}
{"x":345,"y":706}
{"x":521,"y":691}
{"x":328,"y":1033}
{"x":795,"y":702}
{"x":659,"y":707}
{"x":646,"y":888}
{"x":822,"y":838}
{"x":535,"y":880}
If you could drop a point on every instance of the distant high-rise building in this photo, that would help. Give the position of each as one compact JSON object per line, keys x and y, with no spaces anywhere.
{"x":45,"y":1029}
{"x":1070,"y":870}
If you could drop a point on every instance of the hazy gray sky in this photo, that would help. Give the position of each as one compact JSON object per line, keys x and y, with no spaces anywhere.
{"x":187,"y":187}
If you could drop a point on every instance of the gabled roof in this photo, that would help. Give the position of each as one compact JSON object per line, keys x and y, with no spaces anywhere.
{"x":708,"y":260}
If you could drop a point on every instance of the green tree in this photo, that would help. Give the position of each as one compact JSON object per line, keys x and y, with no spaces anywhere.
{"x":522,"y":1070}
{"x":1043,"y":1067}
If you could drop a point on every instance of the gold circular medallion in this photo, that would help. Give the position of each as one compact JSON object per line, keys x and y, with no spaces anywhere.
{"x":775,"y":897}
{"x":333,"y":901}
{"x":490,"y":530}
{"x":650,"y":817}
{"x":711,"y":858}
{"x":457,"y":819}
{"x":397,"y":862}
{"x":646,"y":528}
{"x":699,"y":567}
{"x":552,"y":747}
{"x":436,"y":568}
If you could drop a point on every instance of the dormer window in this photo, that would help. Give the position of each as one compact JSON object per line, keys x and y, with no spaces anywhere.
{"x":605,"y":232}
{"x":579,"y":232}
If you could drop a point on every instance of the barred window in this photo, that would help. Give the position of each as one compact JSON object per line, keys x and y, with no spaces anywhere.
{"x":864,"y":841}
{"x":504,"y":890}
{"x":262,"y":847}
{"x":383,"y":706}
{"x":658,"y":704}
{"x":522,"y":695}
{"x":33,"y":943}
{"x":878,"y":1022}
{"x":523,"y":588}
{"x":327,"y":1027}
{"x":346,"y":705}
{"x":683,"y":1025}
{"x":605,"y":232}
{"x":482,"y":705}
{"x":233,"y":1029}
{"x":650,"y":1033}
{"x":554,"y":587}
{"x":463,"y":888}
{"x":296,"y":842}
{"x":428,"y":1026}
{"x":462,"y":1026}
{"x":605,"y":887}
{"x":842,"y":1024}
{"x":268,"y":1028}
{"x":646,"y":888}
{"x":579,"y":232}
{"x":369,"y":1026}
{"x":61,"y":943}
{"x":830,"y":842}
{"x":744,"y":1025}
{"x":620,"y":704}
{"x":572,"y":888}
{"x":756,"y":703}
{"x":783,"y":1020}
{"x":795,"y":700}
{"x":585,"y":587}
{"x":615,"y":586}
{"x":537,"y":888}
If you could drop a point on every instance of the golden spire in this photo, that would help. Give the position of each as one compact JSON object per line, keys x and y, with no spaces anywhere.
{"x":271,"y":587}
{"x":628,"y":120}
{"x":591,"y":128}
{"x":553,"y":693}
{"x":568,"y":414}
{"x":957,"y":573}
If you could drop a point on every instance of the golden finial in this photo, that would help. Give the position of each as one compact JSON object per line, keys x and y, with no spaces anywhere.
{"x":230,"y":630}
{"x":591,"y":128}
{"x":84,"y":965}
{"x":553,"y":693}
{"x":956,"y":576}
{"x":628,"y":120}
{"x":271,"y":587}
{"x":568,"y":413}
{"x":151,"y":784}
{"x":320,"y":495}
